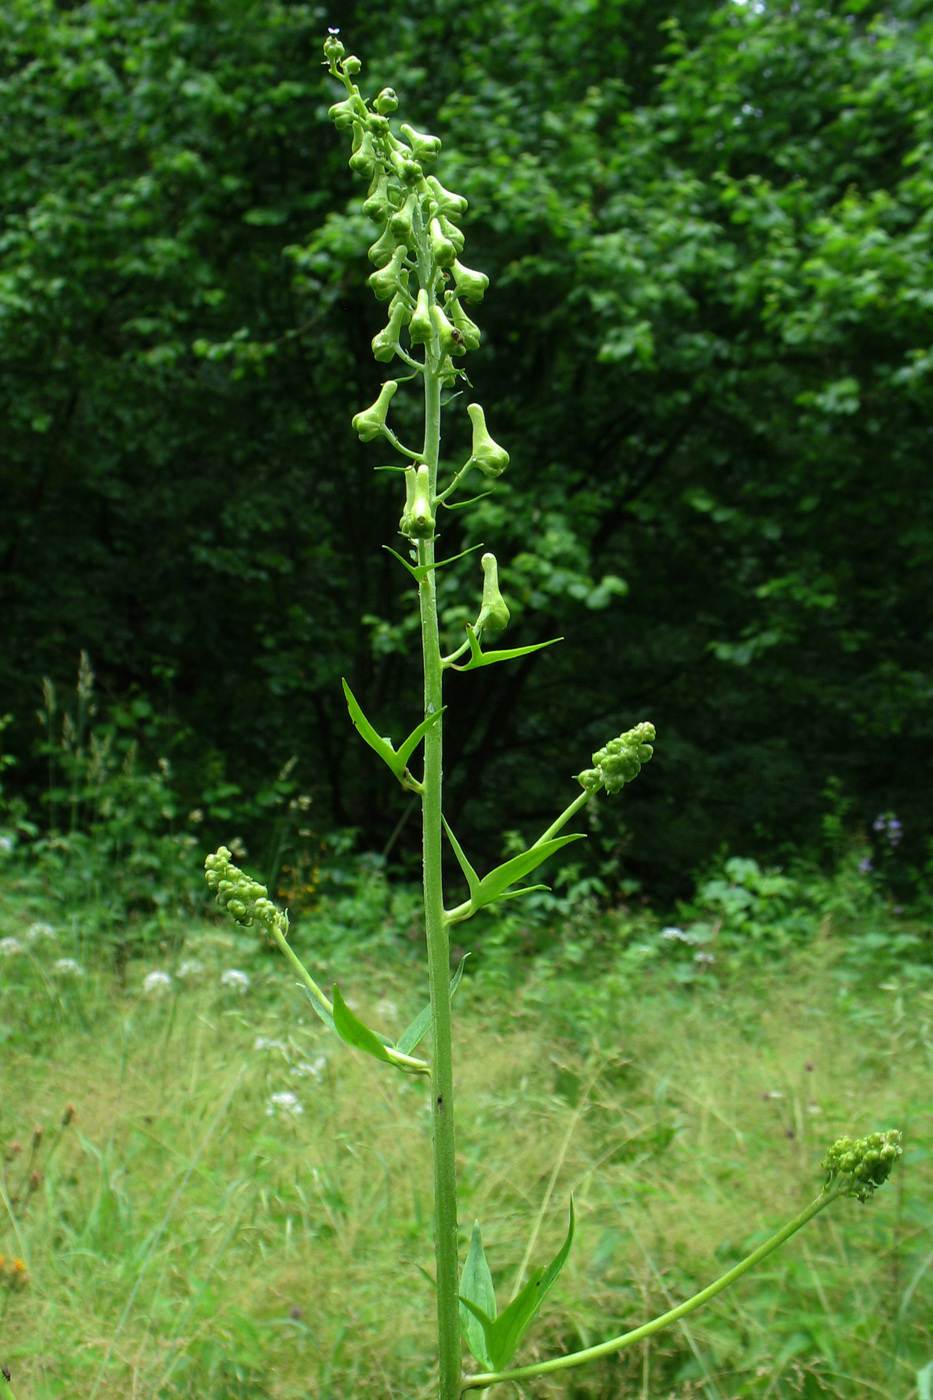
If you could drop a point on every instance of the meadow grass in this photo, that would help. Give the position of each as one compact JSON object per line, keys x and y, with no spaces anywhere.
{"x":238,"y":1192}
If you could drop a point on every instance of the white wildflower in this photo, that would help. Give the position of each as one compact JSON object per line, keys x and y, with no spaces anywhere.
{"x":312,"y":1068}
{"x":235,"y":979}
{"x":156,"y":984}
{"x":9,"y":947}
{"x":264,"y":1042}
{"x":40,"y":930}
{"x":285,"y":1102}
{"x":69,"y":968}
{"x":190,"y":969}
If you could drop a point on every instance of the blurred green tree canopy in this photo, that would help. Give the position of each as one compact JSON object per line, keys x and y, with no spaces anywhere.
{"x":707,"y":346}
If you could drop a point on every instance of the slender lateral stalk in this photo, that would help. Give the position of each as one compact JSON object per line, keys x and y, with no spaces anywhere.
{"x":638,"y":1334}
{"x":438,"y":945}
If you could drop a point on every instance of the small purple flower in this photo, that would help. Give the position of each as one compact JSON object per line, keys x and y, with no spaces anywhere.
{"x":865,"y":865}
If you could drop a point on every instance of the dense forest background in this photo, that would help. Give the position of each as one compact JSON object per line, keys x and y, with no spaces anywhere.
{"x":707,"y":345}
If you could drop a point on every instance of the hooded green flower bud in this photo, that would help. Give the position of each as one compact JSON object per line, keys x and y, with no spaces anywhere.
{"x":419,"y":328}
{"x":620,"y":760}
{"x":470,"y":285}
{"x":402,"y":220}
{"x":417,"y":520}
{"x":468,"y":329}
{"x":385,"y":245}
{"x":371,"y":423}
{"x":424,"y":147}
{"x":391,"y":278}
{"x":491,"y":459}
{"x":377,"y":204}
{"x":386,"y":102}
{"x":333,"y":49}
{"x":244,"y":899}
{"x":494,"y":614}
{"x":410,"y":171}
{"x":386,"y":343}
{"x":451,"y":339}
{"x":352,"y":65}
{"x":453,"y":205}
{"x":863,"y":1163}
{"x":363,"y":158}
{"x":451,"y":233}
{"x":444,"y":251}
{"x":351,"y":109}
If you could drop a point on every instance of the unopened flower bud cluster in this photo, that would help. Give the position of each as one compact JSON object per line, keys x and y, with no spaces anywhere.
{"x":418,"y":272}
{"x":620,"y":760}
{"x":243,"y":898}
{"x":866,"y":1161}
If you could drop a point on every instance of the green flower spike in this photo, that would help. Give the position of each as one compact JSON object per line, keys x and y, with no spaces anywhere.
{"x":861,"y":1165}
{"x":371,"y":423}
{"x":245,"y":900}
{"x":487,"y":455}
{"x":620,"y":761}
{"x":417,"y":520}
{"x":494,"y":614}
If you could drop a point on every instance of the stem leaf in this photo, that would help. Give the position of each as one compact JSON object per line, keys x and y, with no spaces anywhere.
{"x":493,"y":885}
{"x":351,"y":1029}
{"x":367,"y":733}
{"x":416,"y":735}
{"x":477,"y":1300}
{"x":396,"y":761}
{"x":478,"y":657}
{"x":505,"y":1334}
{"x":472,"y":879}
{"x":414,"y":1033}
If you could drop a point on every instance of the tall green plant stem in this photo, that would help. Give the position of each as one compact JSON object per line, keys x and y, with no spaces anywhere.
{"x":627,"y":1339}
{"x":436,"y":932}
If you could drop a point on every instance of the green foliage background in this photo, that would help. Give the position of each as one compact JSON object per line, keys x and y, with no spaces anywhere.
{"x":707,"y":347}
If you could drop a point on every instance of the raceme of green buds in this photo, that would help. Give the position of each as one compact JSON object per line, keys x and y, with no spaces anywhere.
{"x":494,"y":614}
{"x":417,"y":520}
{"x":865,"y":1162}
{"x":244,"y":899}
{"x":491,"y":459}
{"x":371,"y":422}
{"x":620,"y":761}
